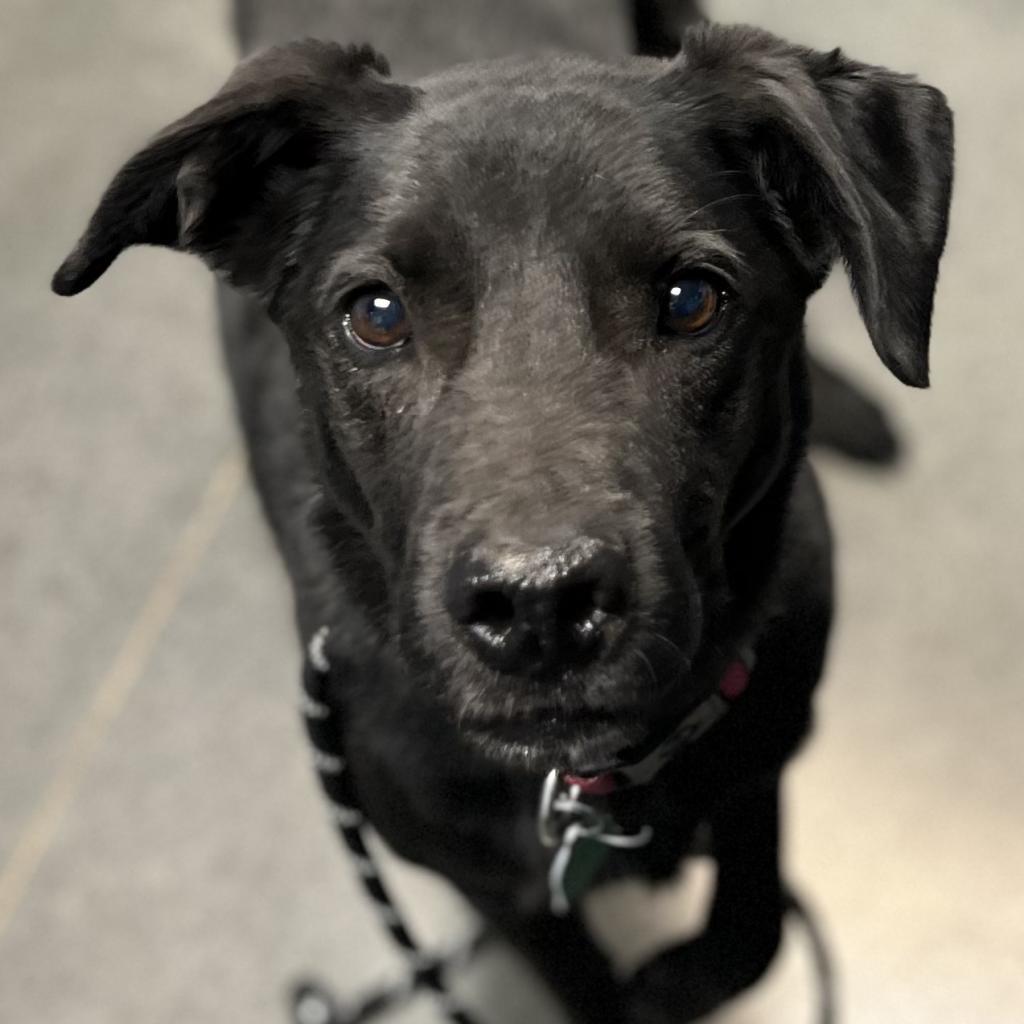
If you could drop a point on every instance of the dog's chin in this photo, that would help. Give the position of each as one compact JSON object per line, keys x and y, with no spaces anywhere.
{"x":587,"y":735}
{"x":586,"y":747}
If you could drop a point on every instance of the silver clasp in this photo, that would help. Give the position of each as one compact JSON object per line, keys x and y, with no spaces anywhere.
{"x":560,"y":808}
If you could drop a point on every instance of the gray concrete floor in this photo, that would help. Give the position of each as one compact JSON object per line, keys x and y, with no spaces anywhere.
{"x":163,"y":853}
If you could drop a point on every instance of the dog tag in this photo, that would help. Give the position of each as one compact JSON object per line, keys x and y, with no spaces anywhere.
{"x":575,"y":866}
{"x":583,"y":836}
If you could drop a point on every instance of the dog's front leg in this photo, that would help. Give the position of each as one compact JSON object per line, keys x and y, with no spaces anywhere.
{"x":690,"y":980}
{"x":567,"y":959}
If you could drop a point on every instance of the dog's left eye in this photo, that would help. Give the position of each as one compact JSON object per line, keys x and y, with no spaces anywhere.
{"x":376,"y":318}
{"x":691,"y":305}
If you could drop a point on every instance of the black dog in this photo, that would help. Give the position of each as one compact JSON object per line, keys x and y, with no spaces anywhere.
{"x":545,"y":479}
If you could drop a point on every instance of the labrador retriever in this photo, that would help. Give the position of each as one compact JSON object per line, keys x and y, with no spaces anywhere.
{"x":544,"y":472}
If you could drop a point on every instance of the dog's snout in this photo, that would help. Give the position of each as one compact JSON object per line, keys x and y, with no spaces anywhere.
{"x":533,"y":608}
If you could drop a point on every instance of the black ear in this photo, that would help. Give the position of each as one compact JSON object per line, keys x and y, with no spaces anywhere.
{"x":855,"y":161}
{"x":234,"y":181}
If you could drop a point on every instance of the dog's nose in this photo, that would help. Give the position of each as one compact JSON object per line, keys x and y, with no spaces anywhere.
{"x":528,"y":609}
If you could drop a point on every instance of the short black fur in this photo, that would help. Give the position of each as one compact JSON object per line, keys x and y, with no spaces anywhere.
{"x":528,"y":213}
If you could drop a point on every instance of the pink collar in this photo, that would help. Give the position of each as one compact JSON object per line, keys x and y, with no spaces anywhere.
{"x":733,"y":685}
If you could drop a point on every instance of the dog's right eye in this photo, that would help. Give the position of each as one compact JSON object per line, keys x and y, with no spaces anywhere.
{"x":376,"y":318}
{"x":691,"y":305}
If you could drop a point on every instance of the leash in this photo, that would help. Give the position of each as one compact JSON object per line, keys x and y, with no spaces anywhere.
{"x":583,"y":833}
{"x":311,"y":1003}
{"x":828,"y":1012}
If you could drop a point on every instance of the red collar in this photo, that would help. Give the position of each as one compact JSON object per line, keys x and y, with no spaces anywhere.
{"x":732,"y":686}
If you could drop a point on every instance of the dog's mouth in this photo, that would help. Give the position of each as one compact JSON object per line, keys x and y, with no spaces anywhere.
{"x":581,"y":735}
{"x":585,"y":743}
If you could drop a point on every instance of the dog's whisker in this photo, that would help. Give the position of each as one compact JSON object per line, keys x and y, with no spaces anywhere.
{"x":682,"y":660}
{"x":650,"y":668}
{"x":717,"y":202}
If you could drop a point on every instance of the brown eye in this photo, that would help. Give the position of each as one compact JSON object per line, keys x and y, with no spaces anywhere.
{"x":377,"y":319}
{"x":691,"y":305}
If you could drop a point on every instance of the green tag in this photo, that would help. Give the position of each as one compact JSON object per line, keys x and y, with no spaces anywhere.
{"x":587,"y":858}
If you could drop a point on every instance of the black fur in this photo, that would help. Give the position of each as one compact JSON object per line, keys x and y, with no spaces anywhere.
{"x":528,"y":211}
{"x":846,"y":418}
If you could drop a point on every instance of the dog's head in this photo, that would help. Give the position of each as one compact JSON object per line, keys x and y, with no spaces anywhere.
{"x":546,"y":320}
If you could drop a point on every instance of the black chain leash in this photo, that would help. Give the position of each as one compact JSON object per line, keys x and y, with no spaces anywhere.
{"x":311,"y":1003}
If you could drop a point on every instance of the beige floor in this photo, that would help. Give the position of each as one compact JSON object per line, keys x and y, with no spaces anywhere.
{"x":162,"y":851}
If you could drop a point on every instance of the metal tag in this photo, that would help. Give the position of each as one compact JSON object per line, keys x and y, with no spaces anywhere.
{"x":583,"y":835}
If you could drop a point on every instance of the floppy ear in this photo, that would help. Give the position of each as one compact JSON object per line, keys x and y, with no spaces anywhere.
{"x":238,"y":180}
{"x":853,"y":160}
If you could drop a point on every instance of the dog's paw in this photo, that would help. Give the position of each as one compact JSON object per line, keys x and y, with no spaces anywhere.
{"x":689,"y":981}
{"x":675,"y":987}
